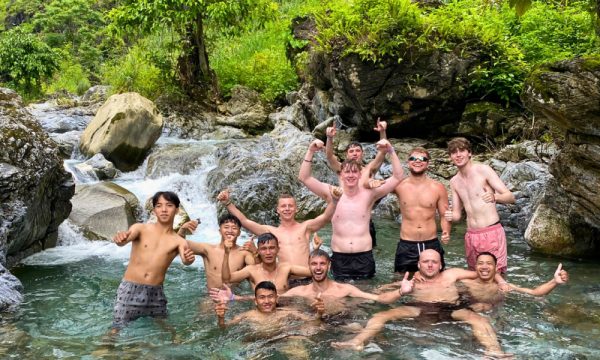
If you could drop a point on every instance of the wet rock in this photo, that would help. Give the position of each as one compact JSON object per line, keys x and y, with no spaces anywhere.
{"x":102,"y":209}
{"x":181,"y":159}
{"x":123,"y":130}
{"x":96,"y":94}
{"x":96,"y":168}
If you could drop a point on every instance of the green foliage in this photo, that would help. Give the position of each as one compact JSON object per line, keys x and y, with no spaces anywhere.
{"x":25,"y":61}
{"x":70,"y":77}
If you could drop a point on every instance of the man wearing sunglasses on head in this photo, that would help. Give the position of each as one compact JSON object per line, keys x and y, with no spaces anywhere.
{"x":419,"y":198}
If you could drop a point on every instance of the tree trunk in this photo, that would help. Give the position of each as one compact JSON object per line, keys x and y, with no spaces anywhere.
{"x":195,"y":74}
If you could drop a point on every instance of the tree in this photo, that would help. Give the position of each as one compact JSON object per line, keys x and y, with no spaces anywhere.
{"x":187,"y":18}
{"x":25,"y":60}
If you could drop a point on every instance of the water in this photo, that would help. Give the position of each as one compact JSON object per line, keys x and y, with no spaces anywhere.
{"x":69,"y":292}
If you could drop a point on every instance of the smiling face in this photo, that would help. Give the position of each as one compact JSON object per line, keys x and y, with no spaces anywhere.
{"x":430,"y":263}
{"x":265,"y":300}
{"x":460,"y":157}
{"x":268,"y":251}
{"x":350,"y":174}
{"x":165,"y":210}
{"x":485,"y":267}
{"x":286,"y":208}
{"x":418,"y":163}
{"x":354,"y":152}
{"x":229,"y":231}
{"x":319,"y":267}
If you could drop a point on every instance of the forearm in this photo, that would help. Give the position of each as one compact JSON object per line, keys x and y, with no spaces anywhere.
{"x":541,"y":290}
{"x":397,"y":171}
{"x":504,"y":198}
{"x":332,"y":160}
{"x":390,"y":296}
{"x":306,"y":167}
{"x":225,"y":271}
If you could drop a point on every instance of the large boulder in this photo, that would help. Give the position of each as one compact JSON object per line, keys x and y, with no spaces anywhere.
{"x":123,"y":130}
{"x":34,"y":189}
{"x":567,"y":95}
{"x":177,"y":158}
{"x":102,"y":209}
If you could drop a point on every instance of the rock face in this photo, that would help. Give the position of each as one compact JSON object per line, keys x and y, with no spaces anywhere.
{"x":102,"y":209}
{"x":123,"y":130}
{"x":34,"y":189}
{"x":567,"y":94}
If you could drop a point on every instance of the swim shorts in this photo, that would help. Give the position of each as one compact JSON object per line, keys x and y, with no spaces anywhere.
{"x":407,"y":254}
{"x":437,"y":312}
{"x":373,"y":233}
{"x":491,"y":239}
{"x":137,"y":300}
{"x":353,"y":266}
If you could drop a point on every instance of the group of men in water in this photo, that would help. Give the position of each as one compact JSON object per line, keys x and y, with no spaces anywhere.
{"x":281,"y":264}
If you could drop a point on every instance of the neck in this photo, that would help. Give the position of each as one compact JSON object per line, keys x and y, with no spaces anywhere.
{"x":320,"y":287}
{"x":418,"y":177}
{"x":287,"y":222}
{"x":165,"y":228}
{"x":269,"y":267}
{"x":466,"y":168}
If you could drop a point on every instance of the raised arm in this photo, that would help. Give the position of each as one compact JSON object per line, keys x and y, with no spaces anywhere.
{"x":560,"y":277}
{"x":225,"y":198}
{"x":299,"y":270}
{"x":314,"y":225}
{"x":397,"y":172}
{"x":498,"y":193}
{"x":442,"y":207}
{"x":226,"y":276}
{"x":332,"y":160}
{"x":123,"y":237}
{"x":454,"y":212}
{"x":373,"y":166}
{"x":186,"y":253}
{"x":318,"y":188}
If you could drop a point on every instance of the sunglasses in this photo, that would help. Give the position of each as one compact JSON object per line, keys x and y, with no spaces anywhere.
{"x":418,"y":158}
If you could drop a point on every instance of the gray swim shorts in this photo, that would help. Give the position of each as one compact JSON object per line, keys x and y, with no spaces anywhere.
{"x":137,"y":300}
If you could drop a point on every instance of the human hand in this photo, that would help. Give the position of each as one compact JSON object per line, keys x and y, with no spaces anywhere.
{"x":331,"y":131}
{"x":316,"y":145}
{"x":445,"y":238}
{"x":380,"y":125}
{"x":317,"y":241}
{"x":223,"y":196}
{"x":249,"y":246}
{"x":336,"y":192}
{"x":375,"y":183}
{"x":121,"y":237}
{"x":228,"y":243}
{"x":188,"y":256}
{"x":560,"y":275}
{"x":220,"y":309}
{"x":318,"y":305}
{"x":189,"y":227}
{"x":384,"y":145}
{"x":406,"y":286}
{"x":223,"y":294}
{"x":488,"y":195}
{"x":418,"y":277}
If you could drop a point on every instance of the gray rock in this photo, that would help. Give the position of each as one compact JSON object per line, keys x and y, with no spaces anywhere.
{"x":97,"y":168}
{"x":123,"y":130}
{"x":96,"y":94}
{"x":176,"y":158}
{"x":242,"y":100}
{"x":102,"y":209}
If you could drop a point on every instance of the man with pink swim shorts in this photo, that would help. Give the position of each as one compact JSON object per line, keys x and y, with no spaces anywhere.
{"x":477,"y":188}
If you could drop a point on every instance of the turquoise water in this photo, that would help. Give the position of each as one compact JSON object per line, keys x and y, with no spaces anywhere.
{"x":69,"y":294}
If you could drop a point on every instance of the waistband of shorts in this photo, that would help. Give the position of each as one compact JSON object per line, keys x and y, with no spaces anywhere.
{"x":485,"y":229}
{"x":353,"y":254}
{"x":419,"y":241}
{"x":123,"y":281}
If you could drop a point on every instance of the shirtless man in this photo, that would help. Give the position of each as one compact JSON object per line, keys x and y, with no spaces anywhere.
{"x":419,"y":198}
{"x":354,"y":151}
{"x":293,"y":236}
{"x":351,"y":242}
{"x":477,"y":188}
{"x":153,"y":248}
{"x":213,"y":254}
{"x":267,"y":270}
{"x":437,"y":295}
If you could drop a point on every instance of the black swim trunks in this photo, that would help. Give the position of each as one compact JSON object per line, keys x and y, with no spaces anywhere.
{"x":432,"y":313}
{"x":407,"y":254}
{"x":353,"y":266}
{"x":137,"y":300}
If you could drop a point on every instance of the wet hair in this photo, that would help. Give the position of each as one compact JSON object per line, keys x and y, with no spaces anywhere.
{"x":265,"y":238}
{"x":319,"y":253}
{"x":458,"y":143}
{"x":353,"y":144}
{"x":285,"y":196}
{"x":351,"y":164}
{"x":420,"y":150}
{"x":488,"y":254}
{"x":230,"y":218}
{"x":167,"y":195}
{"x":267,"y":285}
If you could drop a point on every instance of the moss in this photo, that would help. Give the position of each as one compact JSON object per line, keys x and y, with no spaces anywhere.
{"x":591,"y":63}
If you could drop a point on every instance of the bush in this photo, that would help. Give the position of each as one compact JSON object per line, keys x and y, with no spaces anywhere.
{"x":71,"y":77}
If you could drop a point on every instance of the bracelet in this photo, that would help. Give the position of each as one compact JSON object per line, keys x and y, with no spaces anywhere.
{"x":391,"y":150}
{"x":308,"y":160}
{"x":232,"y":297}
{"x":227,"y":203}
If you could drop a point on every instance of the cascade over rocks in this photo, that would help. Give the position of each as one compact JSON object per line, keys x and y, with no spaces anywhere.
{"x":567,"y":220}
{"x":123,"y":130}
{"x":34,"y":191}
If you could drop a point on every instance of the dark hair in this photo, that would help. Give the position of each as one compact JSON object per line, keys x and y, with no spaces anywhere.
{"x":265,"y":238}
{"x":488,"y":254}
{"x":319,"y":253}
{"x":267,"y":285}
{"x":353,"y":144}
{"x":351,"y":164}
{"x":230,"y":218}
{"x":167,"y":195}
{"x":458,"y":143}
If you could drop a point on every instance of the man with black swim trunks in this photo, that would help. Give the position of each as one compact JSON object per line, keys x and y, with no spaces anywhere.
{"x":419,"y":198}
